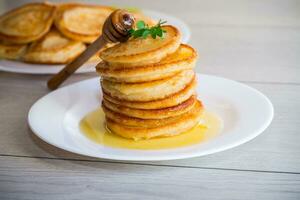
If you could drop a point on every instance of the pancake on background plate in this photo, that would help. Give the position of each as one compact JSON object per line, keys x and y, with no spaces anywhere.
{"x":139,"y":16}
{"x":33,"y":24}
{"x":12,"y":51}
{"x":26,"y":23}
{"x":81,"y":22}
{"x":84,"y":22}
{"x":53,"y":48}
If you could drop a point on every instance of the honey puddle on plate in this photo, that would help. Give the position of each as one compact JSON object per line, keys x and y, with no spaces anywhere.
{"x":93,"y":127}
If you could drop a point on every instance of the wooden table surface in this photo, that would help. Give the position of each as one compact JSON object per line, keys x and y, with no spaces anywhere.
{"x":254,"y":42}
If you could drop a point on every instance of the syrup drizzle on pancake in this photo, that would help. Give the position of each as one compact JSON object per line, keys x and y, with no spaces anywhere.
{"x":93,"y":127}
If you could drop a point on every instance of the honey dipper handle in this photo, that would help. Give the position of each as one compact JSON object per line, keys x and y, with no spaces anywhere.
{"x":70,"y":68}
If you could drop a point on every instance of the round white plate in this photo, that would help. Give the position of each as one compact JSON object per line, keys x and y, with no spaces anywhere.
{"x":245,"y":112}
{"x":26,"y":68}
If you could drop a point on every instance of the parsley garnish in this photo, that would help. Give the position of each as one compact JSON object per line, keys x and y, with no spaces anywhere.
{"x":143,"y":30}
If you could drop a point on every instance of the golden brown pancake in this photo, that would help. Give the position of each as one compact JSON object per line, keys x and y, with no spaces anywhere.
{"x":141,"y":79}
{"x":153,"y":113}
{"x":184,"y":58}
{"x":182,"y":123}
{"x":148,"y":91}
{"x":53,"y":48}
{"x":140,"y":51}
{"x":26,"y":23}
{"x":12,"y":51}
{"x":146,"y":123}
{"x":169,"y":101}
{"x":81,"y":22}
{"x":140,"y":16}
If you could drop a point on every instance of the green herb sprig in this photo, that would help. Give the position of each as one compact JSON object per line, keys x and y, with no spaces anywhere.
{"x":143,"y":30}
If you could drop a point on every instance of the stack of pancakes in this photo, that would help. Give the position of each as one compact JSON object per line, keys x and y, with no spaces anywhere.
{"x":149,"y":87}
{"x":52,"y":33}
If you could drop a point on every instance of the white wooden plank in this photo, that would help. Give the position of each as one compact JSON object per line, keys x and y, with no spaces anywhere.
{"x":276,"y":150}
{"x":233,"y":12}
{"x":216,"y":12}
{"x":249,"y":54}
{"x":23,"y":178}
{"x":236,"y":12}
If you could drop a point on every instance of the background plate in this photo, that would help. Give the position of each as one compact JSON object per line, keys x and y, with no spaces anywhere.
{"x":27,"y":68}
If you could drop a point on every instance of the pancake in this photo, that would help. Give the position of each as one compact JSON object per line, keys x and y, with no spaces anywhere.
{"x":12,"y":51}
{"x":81,"y":22}
{"x":146,"y":123}
{"x":153,"y":113}
{"x":95,"y":58}
{"x":148,"y":91}
{"x":140,"y":79}
{"x":184,"y":58}
{"x":140,"y":51}
{"x":170,"y":101}
{"x":140,"y":16}
{"x":181,"y":124}
{"x":53,"y":48}
{"x":26,"y":23}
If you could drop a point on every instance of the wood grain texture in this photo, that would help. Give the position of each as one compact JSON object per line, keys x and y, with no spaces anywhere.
{"x":21,"y":178}
{"x":275,"y":150}
{"x":256,"y":42}
{"x":249,"y":54}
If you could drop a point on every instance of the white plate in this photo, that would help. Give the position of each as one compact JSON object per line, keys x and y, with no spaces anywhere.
{"x":27,"y":68}
{"x":20,"y":67}
{"x":245,"y":112}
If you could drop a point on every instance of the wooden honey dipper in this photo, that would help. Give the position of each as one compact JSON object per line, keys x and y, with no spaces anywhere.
{"x":115,"y":29}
